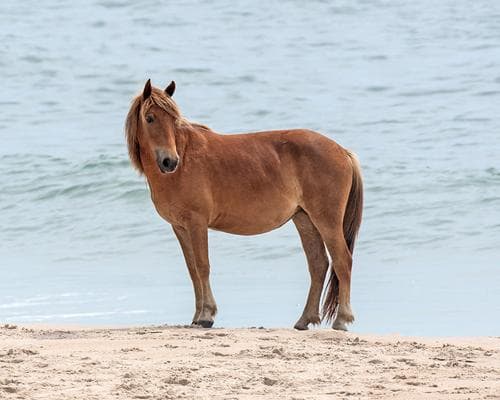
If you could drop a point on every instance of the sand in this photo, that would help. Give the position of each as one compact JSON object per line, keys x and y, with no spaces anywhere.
{"x":196,"y":363}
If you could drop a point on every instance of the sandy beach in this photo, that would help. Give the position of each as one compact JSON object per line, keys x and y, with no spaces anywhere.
{"x":194,"y":363}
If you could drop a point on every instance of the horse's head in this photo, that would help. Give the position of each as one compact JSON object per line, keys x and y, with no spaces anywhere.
{"x":151,"y":127}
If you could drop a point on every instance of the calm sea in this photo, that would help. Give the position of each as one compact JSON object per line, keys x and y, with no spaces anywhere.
{"x":413,"y":87}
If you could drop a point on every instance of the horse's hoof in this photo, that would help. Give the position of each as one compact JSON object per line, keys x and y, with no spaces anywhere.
{"x":205,"y":323}
{"x":301,"y":326}
{"x":339,"y":326}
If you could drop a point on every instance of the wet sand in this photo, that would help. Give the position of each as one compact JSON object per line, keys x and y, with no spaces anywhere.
{"x":194,"y":363}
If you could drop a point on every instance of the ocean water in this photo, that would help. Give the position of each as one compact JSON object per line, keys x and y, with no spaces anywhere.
{"x":412,"y":87}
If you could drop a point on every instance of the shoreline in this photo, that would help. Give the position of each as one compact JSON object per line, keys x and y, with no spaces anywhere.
{"x":171,"y":362}
{"x":389,"y":337}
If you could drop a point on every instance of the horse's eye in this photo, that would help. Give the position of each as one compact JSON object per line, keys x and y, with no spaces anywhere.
{"x":149,"y":119}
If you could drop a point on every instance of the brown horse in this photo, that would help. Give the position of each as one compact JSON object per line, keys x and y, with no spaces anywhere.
{"x":248,"y":184}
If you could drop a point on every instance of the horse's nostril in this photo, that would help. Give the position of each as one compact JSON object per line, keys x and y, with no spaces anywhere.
{"x":169,"y":164}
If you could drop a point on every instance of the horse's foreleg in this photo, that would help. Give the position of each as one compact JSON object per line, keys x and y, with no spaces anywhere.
{"x":317,"y":261}
{"x":199,"y":240}
{"x":187,"y":249}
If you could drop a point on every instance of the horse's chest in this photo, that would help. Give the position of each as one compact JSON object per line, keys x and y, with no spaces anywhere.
{"x":176,"y":210}
{"x":168,"y":210}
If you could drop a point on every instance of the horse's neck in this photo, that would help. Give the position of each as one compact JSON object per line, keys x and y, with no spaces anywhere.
{"x":192,"y":139}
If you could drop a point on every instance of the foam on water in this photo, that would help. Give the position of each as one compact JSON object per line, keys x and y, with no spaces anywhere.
{"x":413,"y":88}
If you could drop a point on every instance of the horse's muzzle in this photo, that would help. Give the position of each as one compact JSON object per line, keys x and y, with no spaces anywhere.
{"x":165,"y":162}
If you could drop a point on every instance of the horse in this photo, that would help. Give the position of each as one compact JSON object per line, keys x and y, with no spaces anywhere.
{"x":248,"y":184}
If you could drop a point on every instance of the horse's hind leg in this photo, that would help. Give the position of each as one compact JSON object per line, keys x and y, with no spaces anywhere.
{"x":342,"y":265}
{"x":338,"y":304}
{"x":317,"y":261}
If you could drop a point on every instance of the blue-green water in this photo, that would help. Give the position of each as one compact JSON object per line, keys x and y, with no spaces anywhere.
{"x":412,"y":87}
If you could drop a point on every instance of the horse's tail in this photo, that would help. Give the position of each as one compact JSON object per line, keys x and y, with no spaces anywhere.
{"x":354,"y":209}
{"x":352,"y":221}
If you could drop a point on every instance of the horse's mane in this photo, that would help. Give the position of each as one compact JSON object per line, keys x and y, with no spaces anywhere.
{"x":139,"y":108}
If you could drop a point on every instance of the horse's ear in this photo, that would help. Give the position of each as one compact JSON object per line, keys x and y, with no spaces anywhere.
{"x":147,"y":90}
{"x":170,"y":89}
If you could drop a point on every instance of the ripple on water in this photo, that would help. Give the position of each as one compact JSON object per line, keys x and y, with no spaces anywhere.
{"x":488,"y":93}
{"x":191,"y":70}
{"x":111,"y":4}
{"x":32,"y":59}
{"x":377,"y":89}
{"x":430,"y":92}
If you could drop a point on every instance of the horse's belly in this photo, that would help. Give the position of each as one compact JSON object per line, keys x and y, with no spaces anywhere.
{"x":252,"y":221}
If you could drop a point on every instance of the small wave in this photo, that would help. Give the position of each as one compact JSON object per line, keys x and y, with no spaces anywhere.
{"x":377,"y":89}
{"x":485,"y":46}
{"x":377,"y":57}
{"x":20,"y":158}
{"x":488,"y":200}
{"x":105,"y":175}
{"x":105,"y":162}
{"x":247,"y":78}
{"x":22,"y":304}
{"x":76,"y":315}
{"x":260,"y":113}
{"x":480,"y":179}
{"x":89,"y":76}
{"x":49,"y":73}
{"x":9,"y":103}
{"x":439,"y":222}
{"x":32,"y":59}
{"x":98,"y":24}
{"x":343,"y":10}
{"x":191,"y":70}
{"x":488,"y":93}
{"x":430,"y":92}
{"x":44,"y":300}
{"x":493,"y":171}
{"x":133,"y":194}
{"x":324,"y":44}
{"x":124,"y":81}
{"x":381,"y":122}
{"x":113,"y":4}
{"x":464,"y":118}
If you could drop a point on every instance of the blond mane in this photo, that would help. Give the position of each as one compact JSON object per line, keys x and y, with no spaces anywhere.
{"x":138,"y":109}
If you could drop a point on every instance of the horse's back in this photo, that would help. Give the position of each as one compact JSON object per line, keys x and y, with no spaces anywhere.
{"x":308,"y":154}
{"x":300,"y":155}
{"x":297,"y":144}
